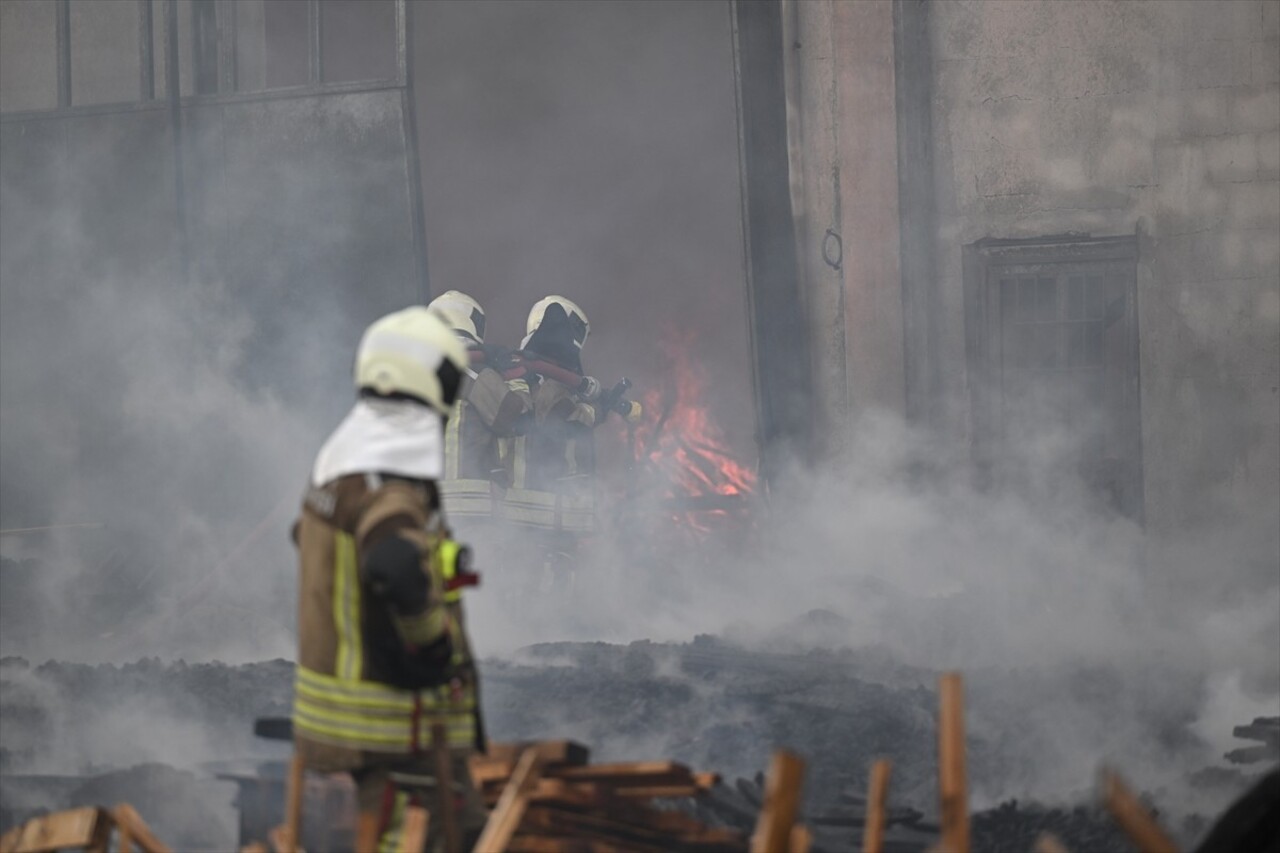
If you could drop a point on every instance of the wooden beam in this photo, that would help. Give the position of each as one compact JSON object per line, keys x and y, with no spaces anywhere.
{"x":626,"y":771}
{"x":293,"y":806}
{"x":367,"y":831}
{"x":781,"y":803}
{"x":952,"y":784}
{"x":1133,"y":816}
{"x":877,"y":796}
{"x":131,"y":825}
{"x":88,"y":827}
{"x":413,"y":835}
{"x":550,"y":752}
{"x":801,"y":839}
{"x":505,"y":817}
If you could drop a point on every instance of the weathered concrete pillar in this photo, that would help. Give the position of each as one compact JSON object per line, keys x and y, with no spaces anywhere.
{"x":841,"y":99}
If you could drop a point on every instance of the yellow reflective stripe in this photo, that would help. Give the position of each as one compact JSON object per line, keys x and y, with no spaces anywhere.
{"x":459,"y":731}
{"x":467,"y":497}
{"x":350,"y":732}
{"x":464,"y":488}
{"x":452,"y":432}
{"x":526,"y":506}
{"x":370,"y":704}
{"x":364,"y":722}
{"x":367,"y":694}
{"x":519,"y":473}
{"x":346,"y":606}
{"x":390,"y":840}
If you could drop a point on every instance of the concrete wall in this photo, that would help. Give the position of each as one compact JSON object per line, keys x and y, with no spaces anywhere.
{"x":1105,"y":116}
{"x":1049,"y":117}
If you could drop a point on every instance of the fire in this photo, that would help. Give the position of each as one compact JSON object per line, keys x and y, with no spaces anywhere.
{"x":681,"y":450}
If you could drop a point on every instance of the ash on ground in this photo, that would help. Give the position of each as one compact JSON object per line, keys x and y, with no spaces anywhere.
{"x":155,"y":734}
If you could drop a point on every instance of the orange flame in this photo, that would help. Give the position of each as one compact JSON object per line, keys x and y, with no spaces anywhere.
{"x":679,"y":444}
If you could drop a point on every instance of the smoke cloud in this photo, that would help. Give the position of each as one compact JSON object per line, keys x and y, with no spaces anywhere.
{"x":589,"y":150}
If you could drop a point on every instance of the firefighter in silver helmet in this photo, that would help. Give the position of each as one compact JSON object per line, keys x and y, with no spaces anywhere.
{"x":490,"y":410}
{"x":382,"y":654}
{"x":552,"y":491}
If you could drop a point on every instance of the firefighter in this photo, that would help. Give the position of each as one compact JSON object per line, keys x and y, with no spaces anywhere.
{"x":382,"y":656}
{"x":490,"y":410}
{"x":552,"y":493}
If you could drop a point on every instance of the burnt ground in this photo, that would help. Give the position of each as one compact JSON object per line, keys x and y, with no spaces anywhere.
{"x":155,"y":733}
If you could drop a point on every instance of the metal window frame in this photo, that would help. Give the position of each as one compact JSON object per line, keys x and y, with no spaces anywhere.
{"x":227,"y":76}
{"x":983,"y":329}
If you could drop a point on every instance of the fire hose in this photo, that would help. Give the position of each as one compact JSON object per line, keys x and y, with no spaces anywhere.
{"x":519,"y":364}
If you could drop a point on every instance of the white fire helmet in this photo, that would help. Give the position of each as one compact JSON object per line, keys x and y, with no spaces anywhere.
{"x":413,"y":353}
{"x":461,"y":312}
{"x":579,"y":325}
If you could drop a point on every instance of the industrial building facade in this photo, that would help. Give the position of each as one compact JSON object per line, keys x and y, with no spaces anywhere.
{"x":1079,"y":201}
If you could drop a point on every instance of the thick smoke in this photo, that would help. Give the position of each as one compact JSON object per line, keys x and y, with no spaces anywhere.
{"x":589,"y":150}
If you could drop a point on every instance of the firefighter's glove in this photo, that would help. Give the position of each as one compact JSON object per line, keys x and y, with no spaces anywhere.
{"x":392,"y":569}
{"x":589,"y":388}
{"x":631,"y":411}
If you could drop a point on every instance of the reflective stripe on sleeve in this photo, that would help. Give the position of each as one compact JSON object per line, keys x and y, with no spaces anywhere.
{"x":346,"y":607}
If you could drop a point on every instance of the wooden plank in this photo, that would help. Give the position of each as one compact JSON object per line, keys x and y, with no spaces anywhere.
{"x":591,"y":827}
{"x":706,"y":780}
{"x":632,"y":774}
{"x":83,"y":827}
{"x":1133,"y":817}
{"x":952,"y":783}
{"x":550,"y":752}
{"x":559,"y":791}
{"x":801,"y":839}
{"x":293,"y":806}
{"x":413,"y":835}
{"x":124,"y":838}
{"x":659,"y":791}
{"x":485,"y":770}
{"x":877,"y":796}
{"x":781,"y":803}
{"x":505,"y":818}
{"x":130,"y":823}
{"x":367,"y":831}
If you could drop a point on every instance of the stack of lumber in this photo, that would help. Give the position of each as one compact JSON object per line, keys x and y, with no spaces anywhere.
{"x":89,"y":828}
{"x":546,"y":798}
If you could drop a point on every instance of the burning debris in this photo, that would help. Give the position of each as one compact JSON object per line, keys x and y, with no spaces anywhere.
{"x":680,"y":451}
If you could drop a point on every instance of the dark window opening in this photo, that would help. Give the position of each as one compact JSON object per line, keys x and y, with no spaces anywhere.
{"x":1053,"y":361}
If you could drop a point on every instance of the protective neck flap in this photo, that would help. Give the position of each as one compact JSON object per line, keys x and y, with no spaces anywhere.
{"x":384,"y":436}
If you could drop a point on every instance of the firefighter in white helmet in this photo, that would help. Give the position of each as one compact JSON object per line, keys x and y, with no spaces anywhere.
{"x":382,"y":655}
{"x":490,"y":409}
{"x":553,"y":467}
